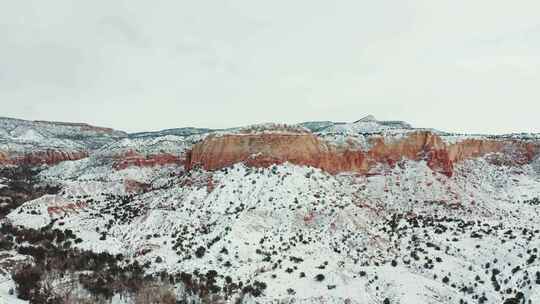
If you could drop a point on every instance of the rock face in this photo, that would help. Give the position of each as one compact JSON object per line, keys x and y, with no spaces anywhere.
{"x":132,"y":158}
{"x":361,"y":147}
{"x":46,"y":157}
{"x":133,"y":186}
{"x":3,"y":157}
{"x":34,"y":143}
{"x":216,"y":152}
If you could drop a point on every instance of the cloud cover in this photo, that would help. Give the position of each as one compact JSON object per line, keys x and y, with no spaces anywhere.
{"x":471,"y":66}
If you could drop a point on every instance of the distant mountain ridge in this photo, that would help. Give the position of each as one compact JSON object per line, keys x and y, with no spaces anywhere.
{"x":45,"y":142}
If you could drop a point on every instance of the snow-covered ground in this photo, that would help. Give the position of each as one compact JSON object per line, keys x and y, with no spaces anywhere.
{"x":8,"y":293}
{"x":6,"y":284}
{"x":287,"y":224}
{"x":405,"y":235}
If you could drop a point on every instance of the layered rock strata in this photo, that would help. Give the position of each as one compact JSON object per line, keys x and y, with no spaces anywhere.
{"x":45,"y":157}
{"x":307,"y":149}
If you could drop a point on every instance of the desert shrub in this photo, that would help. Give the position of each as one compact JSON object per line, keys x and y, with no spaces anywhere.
{"x":5,"y":244}
{"x":200,"y":252}
{"x":104,"y":275}
{"x":149,"y":293}
{"x":27,"y":280}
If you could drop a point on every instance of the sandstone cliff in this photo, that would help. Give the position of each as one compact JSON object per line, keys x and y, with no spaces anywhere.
{"x":264,"y":149}
{"x":3,"y":157}
{"x":132,"y":158}
{"x":46,"y":157}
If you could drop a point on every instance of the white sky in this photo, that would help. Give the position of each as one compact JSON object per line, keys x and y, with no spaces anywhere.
{"x":460,"y":65}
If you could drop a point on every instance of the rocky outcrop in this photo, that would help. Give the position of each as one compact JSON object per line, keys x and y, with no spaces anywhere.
{"x":536,"y":165}
{"x":264,"y":149}
{"x":3,"y":158}
{"x":132,"y":158}
{"x":133,"y":186}
{"x":46,"y":157}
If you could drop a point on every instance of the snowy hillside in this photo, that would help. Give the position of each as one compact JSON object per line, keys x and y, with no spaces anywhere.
{"x":279,"y":233}
{"x":40,"y":142}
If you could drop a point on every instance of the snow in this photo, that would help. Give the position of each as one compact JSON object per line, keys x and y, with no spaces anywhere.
{"x":6,"y":284}
{"x":151,"y":145}
{"x":33,"y":214}
{"x":272,"y":224}
{"x":367,"y":125}
{"x":21,"y":136}
{"x":28,"y":135}
{"x":248,"y":205}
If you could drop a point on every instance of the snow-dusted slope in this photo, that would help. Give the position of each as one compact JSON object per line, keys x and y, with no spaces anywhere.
{"x":25,"y":142}
{"x":54,"y":134}
{"x":404,"y":234}
{"x":286,"y":224}
{"x":171,"y":132}
{"x":368,"y":124}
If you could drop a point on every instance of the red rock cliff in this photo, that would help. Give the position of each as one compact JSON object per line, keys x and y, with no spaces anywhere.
{"x":132,"y":158}
{"x":47,"y":157}
{"x":216,"y":152}
{"x":3,"y":157}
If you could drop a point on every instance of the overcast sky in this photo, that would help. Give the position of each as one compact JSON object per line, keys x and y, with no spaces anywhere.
{"x":460,"y":65}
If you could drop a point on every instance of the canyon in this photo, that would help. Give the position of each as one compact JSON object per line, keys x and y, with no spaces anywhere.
{"x":217,"y":150}
{"x":318,"y":212}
